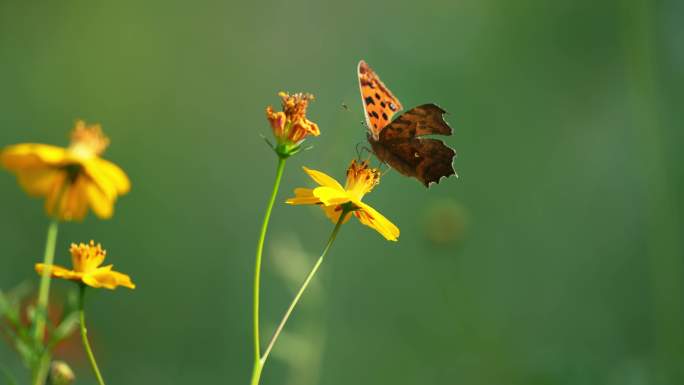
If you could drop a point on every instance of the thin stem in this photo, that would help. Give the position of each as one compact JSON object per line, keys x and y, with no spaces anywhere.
{"x":642,"y":44}
{"x":84,"y":336}
{"x":307,"y":280}
{"x":44,"y":290}
{"x":257,"y":269}
{"x":41,"y":368}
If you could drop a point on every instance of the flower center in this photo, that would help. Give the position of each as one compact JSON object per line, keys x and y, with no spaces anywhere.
{"x":88,"y":141}
{"x":361,"y":178}
{"x":87,"y":257}
{"x":295,"y":105}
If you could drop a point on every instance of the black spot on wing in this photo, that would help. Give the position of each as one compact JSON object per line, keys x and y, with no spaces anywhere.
{"x":369,"y":100}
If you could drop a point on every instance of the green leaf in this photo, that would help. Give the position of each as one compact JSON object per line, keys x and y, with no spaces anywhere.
{"x":26,"y":351}
{"x":64,"y":330}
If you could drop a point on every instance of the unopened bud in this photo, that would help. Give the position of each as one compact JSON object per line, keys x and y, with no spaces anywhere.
{"x":61,"y":373}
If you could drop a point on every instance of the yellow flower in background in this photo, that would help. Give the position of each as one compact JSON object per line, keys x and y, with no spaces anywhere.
{"x":86,"y":260}
{"x":333,"y":198}
{"x":71,"y":179}
{"x":291,"y":126}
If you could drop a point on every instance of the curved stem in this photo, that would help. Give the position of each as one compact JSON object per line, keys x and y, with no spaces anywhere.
{"x":257,"y":270}
{"x":84,"y":336}
{"x":41,"y":368}
{"x":307,"y":280}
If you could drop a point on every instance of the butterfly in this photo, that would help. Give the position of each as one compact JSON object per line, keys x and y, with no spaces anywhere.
{"x":400,"y":143}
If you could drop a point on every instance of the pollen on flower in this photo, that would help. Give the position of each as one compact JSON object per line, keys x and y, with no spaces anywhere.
{"x":87,"y":256}
{"x":87,"y":249}
{"x":88,"y":140}
{"x":295,"y":105}
{"x":361,"y":177}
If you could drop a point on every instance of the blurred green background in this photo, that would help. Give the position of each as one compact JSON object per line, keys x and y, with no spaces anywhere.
{"x":556,"y":257}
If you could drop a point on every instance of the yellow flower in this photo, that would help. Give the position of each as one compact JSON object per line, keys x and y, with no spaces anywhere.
{"x":71,"y":179}
{"x":290,"y":126}
{"x":334,"y":198}
{"x":86,"y":259}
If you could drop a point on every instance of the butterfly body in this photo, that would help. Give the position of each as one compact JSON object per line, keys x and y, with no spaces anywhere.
{"x":400,"y":142}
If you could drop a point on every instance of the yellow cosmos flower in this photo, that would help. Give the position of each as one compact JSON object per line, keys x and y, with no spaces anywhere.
{"x":334,"y":198}
{"x":71,"y":179}
{"x":290,"y":126}
{"x":86,"y":259}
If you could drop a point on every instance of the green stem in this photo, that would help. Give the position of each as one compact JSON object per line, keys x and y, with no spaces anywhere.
{"x":257,"y":269}
{"x":84,"y":336}
{"x":298,"y":296}
{"x":44,"y":290}
{"x":41,"y":368}
{"x":642,"y":36}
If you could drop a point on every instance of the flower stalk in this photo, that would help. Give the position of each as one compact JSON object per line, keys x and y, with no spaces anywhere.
{"x":290,"y":128}
{"x":257,"y":268}
{"x":261,"y":361}
{"x":84,"y":335}
{"x":41,"y":368}
{"x":304,"y":286}
{"x":44,"y":289}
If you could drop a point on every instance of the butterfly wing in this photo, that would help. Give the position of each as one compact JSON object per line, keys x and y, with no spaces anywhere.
{"x":422,"y":120}
{"x":401,"y":146}
{"x":379,"y":104}
{"x":427,"y":160}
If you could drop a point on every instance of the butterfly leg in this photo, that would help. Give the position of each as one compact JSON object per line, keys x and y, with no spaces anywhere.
{"x":360,"y":151}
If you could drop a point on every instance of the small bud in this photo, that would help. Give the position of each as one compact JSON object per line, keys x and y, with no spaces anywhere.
{"x":61,"y":373}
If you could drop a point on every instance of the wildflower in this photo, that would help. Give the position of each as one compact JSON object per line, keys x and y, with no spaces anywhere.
{"x":290,"y":126}
{"x":71,"y":179}
{"x":86,"y":260}
{"x":335,"y":199}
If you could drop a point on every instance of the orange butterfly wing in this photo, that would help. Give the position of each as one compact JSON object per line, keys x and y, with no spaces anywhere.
{"x":379,"y":104}
{"x":401,"y":143}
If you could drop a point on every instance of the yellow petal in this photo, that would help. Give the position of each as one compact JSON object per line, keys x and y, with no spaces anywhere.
{"x":331,"y":196}
{"x":58,"y":271}
{"x":115,"y":176}
{"x":108,"y":279}
{"x":303,"y":196}
{"x":101,"y":203}
{"x":323,"y":179}
{"x":55,"y":196}
{"x":73,"y":204}
{"x":32,"y":155}
{"x":94,"y":172}
{"x":372,"y":218}
{"x":39,"y":181}
{"x":91,"y":281}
